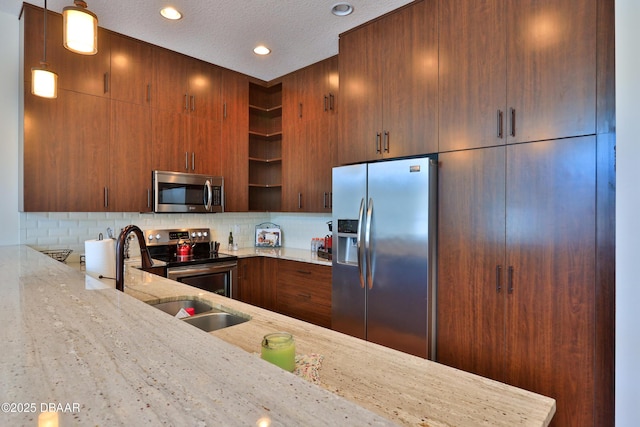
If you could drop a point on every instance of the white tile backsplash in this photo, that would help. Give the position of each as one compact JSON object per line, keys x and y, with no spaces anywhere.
{"x":69,"y":230}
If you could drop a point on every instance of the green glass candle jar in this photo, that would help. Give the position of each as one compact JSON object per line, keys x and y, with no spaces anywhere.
{"x":280,"y":349}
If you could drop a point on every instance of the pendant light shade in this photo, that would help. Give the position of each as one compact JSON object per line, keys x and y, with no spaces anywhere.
{"x":80,"y":29}
{"x":44,"y":82}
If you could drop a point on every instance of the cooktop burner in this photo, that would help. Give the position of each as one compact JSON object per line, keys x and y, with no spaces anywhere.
{"x":163,"y":246}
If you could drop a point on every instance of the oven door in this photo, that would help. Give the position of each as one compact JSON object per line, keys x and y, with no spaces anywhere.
{"x":218,"y":277}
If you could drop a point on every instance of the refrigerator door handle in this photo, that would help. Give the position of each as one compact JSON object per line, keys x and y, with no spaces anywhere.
{"x":360,"y":241}
{"x":367,"y":245}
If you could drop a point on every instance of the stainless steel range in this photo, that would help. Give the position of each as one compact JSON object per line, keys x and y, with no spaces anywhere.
{"x":192,"y":258}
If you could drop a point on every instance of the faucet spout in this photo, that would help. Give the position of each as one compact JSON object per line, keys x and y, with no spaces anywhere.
{"x":144,"y":253}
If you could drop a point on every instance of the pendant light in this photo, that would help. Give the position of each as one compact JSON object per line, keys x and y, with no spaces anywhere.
{"x":80,"y":29}
{"x":44,"y":82}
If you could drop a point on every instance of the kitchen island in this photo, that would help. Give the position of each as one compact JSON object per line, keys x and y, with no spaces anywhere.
{"x":97,"y":356}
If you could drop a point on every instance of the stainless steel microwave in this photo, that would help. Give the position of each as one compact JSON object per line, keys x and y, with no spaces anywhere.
{"x":177,"y":192}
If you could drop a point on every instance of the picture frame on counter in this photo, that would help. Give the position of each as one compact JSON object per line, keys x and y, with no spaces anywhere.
{"x":268,"y":235}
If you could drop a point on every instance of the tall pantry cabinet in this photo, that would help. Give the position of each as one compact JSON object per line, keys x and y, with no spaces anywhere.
{"x":526,"y":196}
{"x":516,"y":271}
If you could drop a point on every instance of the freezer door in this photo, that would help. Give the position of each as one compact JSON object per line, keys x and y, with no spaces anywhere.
{"x":398,"y":283}
{"x":348,"y":308}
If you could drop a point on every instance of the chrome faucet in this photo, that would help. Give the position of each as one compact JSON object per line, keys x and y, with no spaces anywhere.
{"x":144,"y":253}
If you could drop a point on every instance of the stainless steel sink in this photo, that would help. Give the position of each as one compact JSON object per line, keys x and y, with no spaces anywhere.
{"x":214,"y":320}
{"x":173,"y":307}
{"x":205,"y":317}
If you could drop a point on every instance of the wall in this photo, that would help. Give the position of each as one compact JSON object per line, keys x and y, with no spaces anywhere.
{"x":9,"y":66}
{"x":69,"y":230}
{"x":627,"y":208}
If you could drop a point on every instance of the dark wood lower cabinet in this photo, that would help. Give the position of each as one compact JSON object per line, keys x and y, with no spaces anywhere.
{"x":304,"y":291}
{"x":517,"y":269}
{"x":297,"y":289}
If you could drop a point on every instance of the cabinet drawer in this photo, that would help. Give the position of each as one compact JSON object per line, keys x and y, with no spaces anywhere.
{"x":304,"y":292}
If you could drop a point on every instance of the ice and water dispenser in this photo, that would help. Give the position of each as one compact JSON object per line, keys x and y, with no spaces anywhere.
{"x":347,"y":247}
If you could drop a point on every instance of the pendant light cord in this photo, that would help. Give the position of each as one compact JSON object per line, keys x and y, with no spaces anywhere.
{"x":44,"y":50}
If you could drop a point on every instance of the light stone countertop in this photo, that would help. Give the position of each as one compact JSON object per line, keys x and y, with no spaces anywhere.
{"x":123,"y":360}
{"x":293,"y":254}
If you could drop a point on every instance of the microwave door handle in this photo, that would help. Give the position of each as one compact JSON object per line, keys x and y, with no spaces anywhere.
{"x":208,"y":196}
{"x":360,"y":241}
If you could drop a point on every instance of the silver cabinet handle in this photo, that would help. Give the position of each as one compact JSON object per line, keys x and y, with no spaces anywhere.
{"x":224,"y":110}
{"x":299,"y":200}
{"x":500,"y":124}
{"x":193,"y":103}
{"x":148,"y":197}
{"x":186,"y":160}
{"x":106,"y":197}
{"x":186,"y":102}
{"x":386,"y":141}
{"x":498,"y":280}
{"x":378,"y":143}
{"x":331,"y":102}
{"x":193,"y":160}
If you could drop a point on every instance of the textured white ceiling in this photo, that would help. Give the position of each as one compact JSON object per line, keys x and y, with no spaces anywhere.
{"x":224,"y":32}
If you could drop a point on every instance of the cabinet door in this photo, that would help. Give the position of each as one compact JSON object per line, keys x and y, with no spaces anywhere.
{"x":551,"y":225}
{"x":471,"y":253}
{"x":472,"y":74}
{"x":170,"y":86}
{"x":360,"y":97}
{"x":407,"y":43}
{"x":250,"y":279}
{"x":204,"y":146}
{"x":235,"y":141}
{"x":131,"y":70}
{"x":66,"y":166}
{"x":130,"y":158}
{"x":551,"y":68}
{"x":170,"y":152}
{"x":204,"y":90}
{"x":294,"y":144}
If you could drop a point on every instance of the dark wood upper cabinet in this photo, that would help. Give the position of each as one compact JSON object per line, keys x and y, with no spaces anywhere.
{"x":309,"y":112}
{"x":131,"y":70}
{"x":516,"y":71}
{"x":235,"y":140}
{"x":389,"y":86}
{"x":187,"y":114}
{"x":65,"y":165}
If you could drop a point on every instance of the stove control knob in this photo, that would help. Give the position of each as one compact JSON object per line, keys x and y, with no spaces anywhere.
{"x":205,"y":234}
{"x":158,"y":236}
{"x":193,"y":234}
{"x":199,"y":233}
{"x":150,"y":237}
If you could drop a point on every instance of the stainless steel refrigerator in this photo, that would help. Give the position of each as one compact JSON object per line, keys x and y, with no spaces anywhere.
{"x":384,"y":253}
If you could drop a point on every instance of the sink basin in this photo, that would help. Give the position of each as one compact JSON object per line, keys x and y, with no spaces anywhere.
{"x":214,"y":320}
{"x":205,"y":317}
{"x":173,"y":307}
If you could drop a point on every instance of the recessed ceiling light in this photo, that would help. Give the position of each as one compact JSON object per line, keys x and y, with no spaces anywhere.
{"x":261,"y":50}
{"x":342,"y":9}
{"x":170,"y":13}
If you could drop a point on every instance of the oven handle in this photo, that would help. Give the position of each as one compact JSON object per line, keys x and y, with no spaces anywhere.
{"x":192,"y":270}
{"x":208,"y":195}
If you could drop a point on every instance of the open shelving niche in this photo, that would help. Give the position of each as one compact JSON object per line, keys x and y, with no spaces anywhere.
{"x":265,"y":147}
